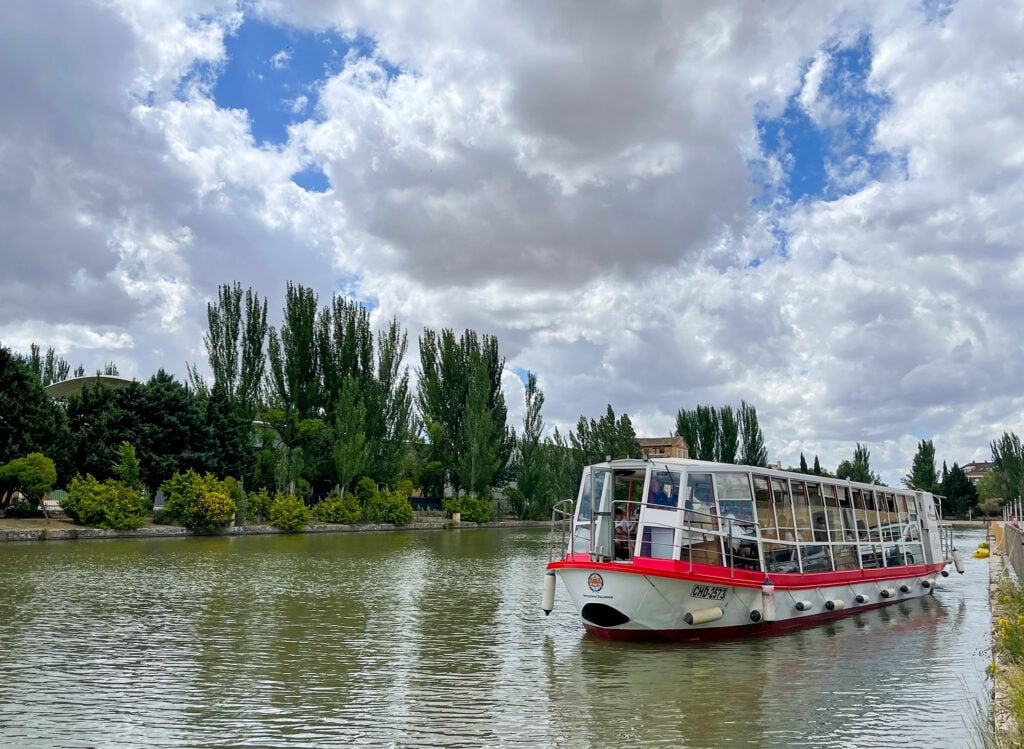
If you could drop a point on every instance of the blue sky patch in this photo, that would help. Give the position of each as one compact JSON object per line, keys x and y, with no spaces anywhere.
{"x":275,"y":73}
{"x":348,"y":287}
{"x":832,"y":156}
{"x":312,"y":179}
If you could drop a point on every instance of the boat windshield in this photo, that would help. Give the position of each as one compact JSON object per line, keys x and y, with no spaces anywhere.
{"x":663,"y":488}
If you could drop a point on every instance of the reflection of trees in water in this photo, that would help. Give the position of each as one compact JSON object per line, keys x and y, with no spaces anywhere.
{"x":850,"y":682}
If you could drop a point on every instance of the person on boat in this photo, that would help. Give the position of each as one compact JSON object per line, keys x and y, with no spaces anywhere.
{"x":658,"y":494}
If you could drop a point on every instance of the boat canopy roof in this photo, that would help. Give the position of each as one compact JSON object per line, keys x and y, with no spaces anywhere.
{"x":639,"y":466}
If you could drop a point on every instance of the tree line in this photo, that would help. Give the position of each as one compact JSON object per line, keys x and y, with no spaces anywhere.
{"x":323,"y":401}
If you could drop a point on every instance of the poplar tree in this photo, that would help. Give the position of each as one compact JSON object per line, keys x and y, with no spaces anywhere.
{"x":446,"y":372}
{"x":351,"y":452}
{"x":701,"y":428}
{"x":235,"y":341}
{"x":48,"y":369}
{"x":388,"y":405}
{"x":752,"y":449}
{"x":344,"y":343}
{"x":478,"y":456}
{"x":608,"y":437}
{"x":530,"y":474}
{"x":294,"y":361}
{"x":728,"y":436}
{"x":1008,"y":465}
{"x":562,"y":466}
{"x":859,"y":469}
{"x":723,"y":434}
{"x":923,"y":474}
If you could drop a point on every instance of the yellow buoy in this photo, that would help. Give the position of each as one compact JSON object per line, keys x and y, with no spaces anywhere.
{"x":980,"y":553}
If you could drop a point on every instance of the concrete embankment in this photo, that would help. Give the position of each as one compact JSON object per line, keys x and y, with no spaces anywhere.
{"x":73,"y":533}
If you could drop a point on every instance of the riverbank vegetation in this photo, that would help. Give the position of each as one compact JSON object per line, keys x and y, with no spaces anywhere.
{"x":1008,"y":647}
{"x":320,"y":408}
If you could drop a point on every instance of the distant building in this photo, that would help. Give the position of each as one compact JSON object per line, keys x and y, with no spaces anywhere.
{"x":976,"y":471}
{"x":664,"y":447}
{"x":74,"y":386}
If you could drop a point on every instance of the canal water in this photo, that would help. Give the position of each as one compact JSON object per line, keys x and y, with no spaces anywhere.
{"x":436,"y":638}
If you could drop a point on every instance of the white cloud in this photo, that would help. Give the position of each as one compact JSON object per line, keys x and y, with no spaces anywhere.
{"x":576,"y":180}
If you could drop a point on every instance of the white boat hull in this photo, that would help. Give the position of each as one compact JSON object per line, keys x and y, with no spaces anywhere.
{"x":623,"y":601}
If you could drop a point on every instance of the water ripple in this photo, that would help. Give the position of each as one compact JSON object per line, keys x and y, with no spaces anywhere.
{"x":436,"y":639}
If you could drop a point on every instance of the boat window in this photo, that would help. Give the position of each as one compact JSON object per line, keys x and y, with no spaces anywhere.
{"x":846,"y":510}
{"x":802,"y":511}
{"x":663,"y":488}
{"x":901,"y":508}
{"x":842,"y":527}
{"x":587,"y":494}
{"x":817,"y":506}
{"x":700,"y":491}
{"x":766,"y":516}
{"x":590,"y":497}
{"x":734,"y":495}
{"x":887,"y":510}
{"x":732,"y":485}
{"x":783,"y":509}
{"x":911,"y":510}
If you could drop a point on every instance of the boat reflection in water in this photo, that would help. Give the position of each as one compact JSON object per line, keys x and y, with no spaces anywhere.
{"x":691,"y":550}
{"x":814,"y":687}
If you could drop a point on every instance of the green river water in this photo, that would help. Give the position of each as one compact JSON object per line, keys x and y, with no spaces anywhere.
{"x":436,"y":638}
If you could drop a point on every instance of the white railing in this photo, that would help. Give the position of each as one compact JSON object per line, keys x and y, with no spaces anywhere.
{"x":1014,"y":539}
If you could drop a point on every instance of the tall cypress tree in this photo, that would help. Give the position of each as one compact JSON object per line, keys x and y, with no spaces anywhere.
{"x":923,"y":474}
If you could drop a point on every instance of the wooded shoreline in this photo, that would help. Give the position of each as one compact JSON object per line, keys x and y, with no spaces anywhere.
{"x":56,"y":530}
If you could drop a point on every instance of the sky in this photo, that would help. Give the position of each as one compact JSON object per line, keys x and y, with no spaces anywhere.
{"x":814,"y":207}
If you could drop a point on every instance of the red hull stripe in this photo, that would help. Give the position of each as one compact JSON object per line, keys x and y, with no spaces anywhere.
{"x":706,"y":573}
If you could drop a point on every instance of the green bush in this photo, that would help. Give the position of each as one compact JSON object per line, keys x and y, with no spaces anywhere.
{"x":366,"y":490}
{"x":520,"y":505}
{"x":234,"y":490}
{"x":259,"y":504}
{"x":289,"y":513}
{"x":107,"y":505}
{"x":389,"y":507}
{"x":125,"y":507}
{"x":126,"y":467}
{"x":84,"y":503}
{"x":473,"y":509}
{"x":338,"y":508}
{"x":198,"y":502}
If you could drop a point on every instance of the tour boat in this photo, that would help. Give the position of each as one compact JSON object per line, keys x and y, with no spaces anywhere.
{"x":693,"y":550}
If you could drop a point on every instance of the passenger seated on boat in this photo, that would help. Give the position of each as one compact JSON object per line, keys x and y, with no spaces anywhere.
{"x":658,"y":494}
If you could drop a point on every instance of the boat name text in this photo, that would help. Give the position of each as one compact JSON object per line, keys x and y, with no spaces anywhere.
{"x":710,"y":592}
